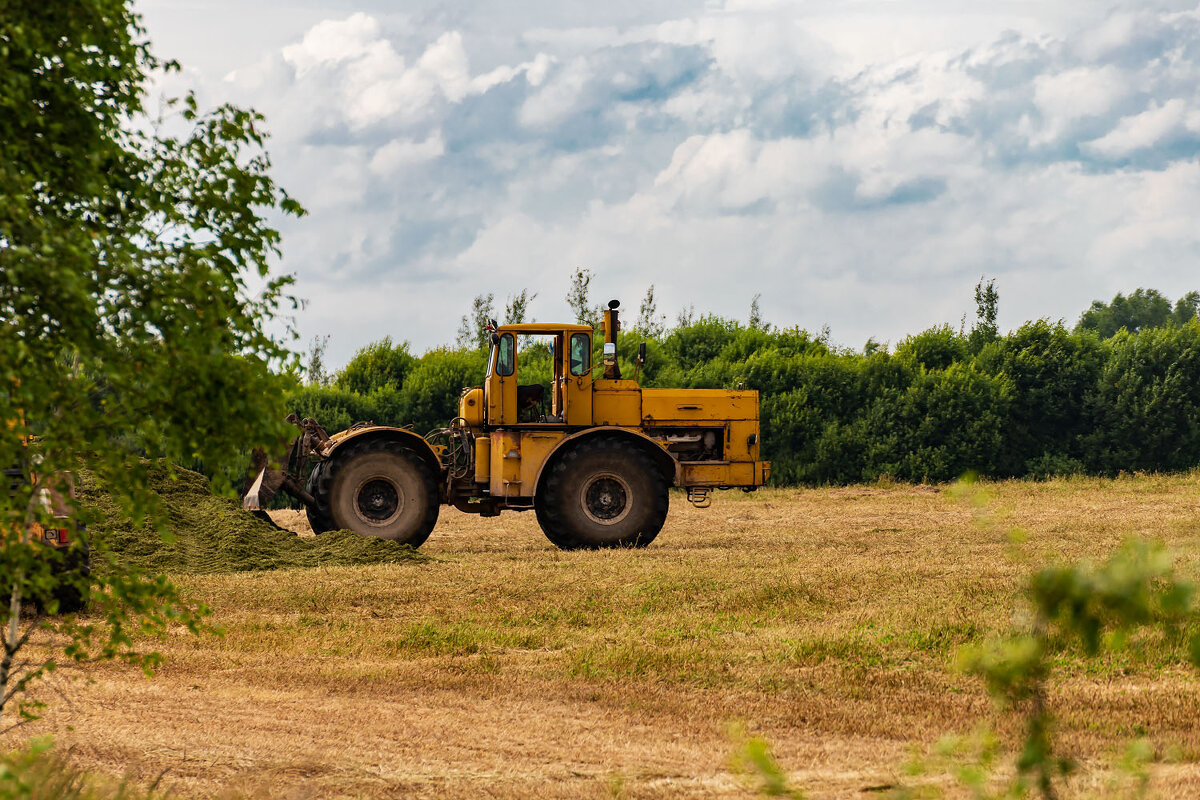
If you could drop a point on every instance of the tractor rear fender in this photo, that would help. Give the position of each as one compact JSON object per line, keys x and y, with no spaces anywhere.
{"x":382,"y":433}
{"x":665,"y":462}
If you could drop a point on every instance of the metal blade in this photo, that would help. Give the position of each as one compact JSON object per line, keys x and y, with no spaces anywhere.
{"x":250,"y":501}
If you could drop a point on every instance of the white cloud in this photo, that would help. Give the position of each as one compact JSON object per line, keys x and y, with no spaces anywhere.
{"x":1111,"y":34}
{"x":333,"y":41}
{"x":760,"y":45}
{"x":535,"y":72}
{"x":557,"y":98}
{"x":730,"y":172}
{"x":400,"y":153}
{"x":445,"y":62}
{"x":348,"y":72}
{"x":1079,"y":92}
{"x":1142,"y":130}
{"x":859,"y":166}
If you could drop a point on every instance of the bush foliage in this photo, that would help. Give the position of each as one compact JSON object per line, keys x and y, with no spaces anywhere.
{"x":1042,"y":400}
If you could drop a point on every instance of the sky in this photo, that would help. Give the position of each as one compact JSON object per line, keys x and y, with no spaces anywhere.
{"x":858,"y":164}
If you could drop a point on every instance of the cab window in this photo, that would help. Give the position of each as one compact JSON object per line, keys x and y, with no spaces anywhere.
{"x":506,"y":360}
{"x":581,"y":354}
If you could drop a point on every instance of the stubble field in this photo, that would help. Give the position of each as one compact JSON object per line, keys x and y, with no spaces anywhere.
{"x":823,"y":620}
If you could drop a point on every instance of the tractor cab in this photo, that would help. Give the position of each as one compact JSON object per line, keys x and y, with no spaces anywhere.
{"x":538,"y":374}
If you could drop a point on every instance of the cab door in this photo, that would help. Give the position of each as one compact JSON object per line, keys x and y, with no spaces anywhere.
{"x":501,"y":385}
{"x":577,"y":378}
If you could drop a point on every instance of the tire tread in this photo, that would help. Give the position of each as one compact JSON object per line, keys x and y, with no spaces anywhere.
{"x":549,"y":508}
{"x":329,"y":470}
{"x":318,"y":486}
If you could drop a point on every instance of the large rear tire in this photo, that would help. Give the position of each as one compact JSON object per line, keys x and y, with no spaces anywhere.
{"x":603,"y":493}
{"x":319,"y":518}
{"x":381,"y":488}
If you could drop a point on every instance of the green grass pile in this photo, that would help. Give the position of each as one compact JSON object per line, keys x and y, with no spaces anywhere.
{"x":212,"y":534}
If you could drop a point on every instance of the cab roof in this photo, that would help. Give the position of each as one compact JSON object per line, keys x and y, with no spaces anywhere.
{"x":544,"y":327}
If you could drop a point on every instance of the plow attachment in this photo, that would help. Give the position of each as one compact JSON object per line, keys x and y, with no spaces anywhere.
{"x":288,"y":473}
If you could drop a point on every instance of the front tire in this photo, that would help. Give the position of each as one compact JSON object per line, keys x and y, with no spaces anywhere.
{"x":381,"y":488}
{"x":319,"y":518}
{"x":604,"y":493}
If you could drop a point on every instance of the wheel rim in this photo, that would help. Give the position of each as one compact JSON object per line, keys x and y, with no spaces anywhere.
{"x":378,"y":501}
{"x":606,"y":498}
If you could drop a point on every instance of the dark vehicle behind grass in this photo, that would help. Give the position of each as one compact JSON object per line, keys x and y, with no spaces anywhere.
{"x":64,"y":540}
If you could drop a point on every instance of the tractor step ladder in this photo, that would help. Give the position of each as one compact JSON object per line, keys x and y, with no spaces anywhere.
{"x":699,"y":496}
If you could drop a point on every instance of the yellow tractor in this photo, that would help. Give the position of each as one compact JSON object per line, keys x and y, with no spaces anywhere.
{"x":592,"y":454}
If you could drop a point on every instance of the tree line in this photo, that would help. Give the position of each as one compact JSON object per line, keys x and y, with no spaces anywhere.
{"x":1118,"y":391}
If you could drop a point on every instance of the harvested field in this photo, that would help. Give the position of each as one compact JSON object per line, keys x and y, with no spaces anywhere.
{"x":824,"y":620}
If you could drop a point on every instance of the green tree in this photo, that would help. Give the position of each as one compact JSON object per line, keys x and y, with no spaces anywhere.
{"x":1053,"y":371}
{"x":377,"y":365}
{"x":1187,"y":309}
{"x":578,"y":298}
{"x":1143,"y":309}
{"x":756,"y":319}
{"x":471,"y":330}
{"x":433,"y":389}
{"x":650,"y":323}
{"x":987,"y":305}
{"x":127,"y":314}
{"x":314,"y":368}
{"x":336,"y":408}
{"x":700,"y":342}
{"x":946,"y":423}
{"x":516,"y":310}
{"x":936,"y":348}
{"x":1144,"y":407}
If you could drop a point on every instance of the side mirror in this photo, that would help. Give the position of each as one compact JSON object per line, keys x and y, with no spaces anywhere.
{"x":642,"y":353}
{"x":495,"y":337}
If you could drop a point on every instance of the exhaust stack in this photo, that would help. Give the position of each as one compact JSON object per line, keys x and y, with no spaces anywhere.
{"x":612,"y":369}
